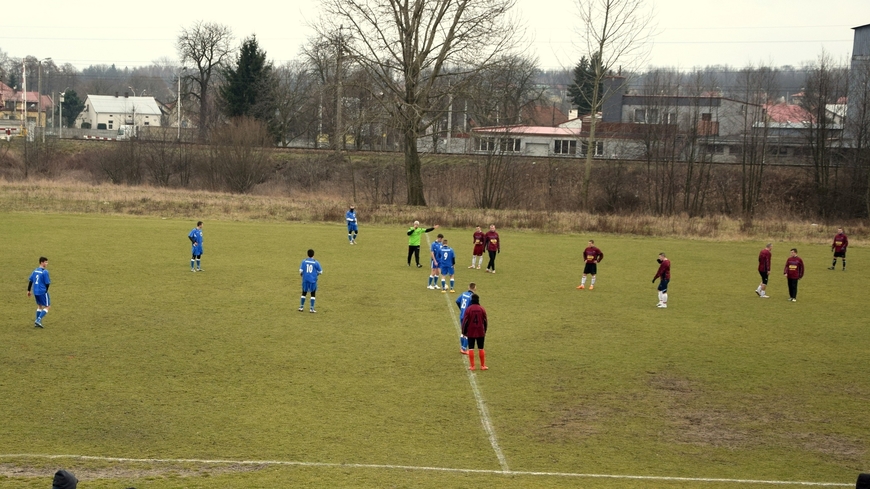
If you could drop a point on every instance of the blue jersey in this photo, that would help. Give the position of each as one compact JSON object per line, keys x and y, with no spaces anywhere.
{"x":310,"y":269}
{"x":435,"y":248}
{"x":196,"y":244}
{"x":39,"y":278}
{"x":446,"y":257}
{"x":463,"y":301}
{"x":350,"y":217}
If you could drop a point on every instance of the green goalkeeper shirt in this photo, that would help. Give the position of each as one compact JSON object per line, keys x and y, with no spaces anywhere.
{"x":414,"y":235}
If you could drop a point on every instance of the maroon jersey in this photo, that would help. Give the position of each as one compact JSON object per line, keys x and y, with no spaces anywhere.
{"x":592,"y":255}
{"x":664,"y":270}
{"x":491,"y":241}
{"x":794,"y":267}
{"x":764,"y":261}
{"x":479,"y":237}
{"x":474,"y":321}
{"x":840,"y":243}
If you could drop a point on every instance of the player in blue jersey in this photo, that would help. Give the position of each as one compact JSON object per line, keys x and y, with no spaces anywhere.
{"x":195,"y":238}
{"x":446,"y":261}
{"x":352,"y":229}
{"x":39,"y":282}
{"x":434,"y":253}
{"x":463,"y":301}
{"x":309,"y":269}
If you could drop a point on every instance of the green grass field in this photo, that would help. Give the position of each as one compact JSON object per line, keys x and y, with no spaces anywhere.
{"x":147,"y":375}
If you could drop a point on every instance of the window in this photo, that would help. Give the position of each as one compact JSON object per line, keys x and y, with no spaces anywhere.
{"x":147,"y":123}
{"x":715,"y":149}
{"x":779,"y":150}
{"x":10,"y":105}
{"x":101,"y":126}
{"x":652,"y":116}
{"x":509,"y":144}
{"x":110,"y":125}
{"x":485,"y":144}
{"x":599,"y":148}
{"x":669,"y":118}
{"x":565,"y":147}
{"x":706,"y":117}
{"x":640,"y":116}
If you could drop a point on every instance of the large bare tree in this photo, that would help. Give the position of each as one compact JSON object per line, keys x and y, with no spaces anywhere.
{"x":615,"y":34}
{"x":410,"y":46}
{"x":208,"y":46}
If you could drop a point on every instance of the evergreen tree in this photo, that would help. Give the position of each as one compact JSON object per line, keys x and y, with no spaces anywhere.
{"x":72,"y":107}
{"x":580,"y":91}
{"x":248,"y":87}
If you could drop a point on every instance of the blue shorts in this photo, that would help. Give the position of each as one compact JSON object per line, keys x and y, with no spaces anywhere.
{"x":351,"y":226}
{"x":446,"y":270}
{"x":309,"y":287}
{"x":433,"y":265}
{"x":663,"y":285}
{"x":196,"y":250}
{"x":43,"y":300}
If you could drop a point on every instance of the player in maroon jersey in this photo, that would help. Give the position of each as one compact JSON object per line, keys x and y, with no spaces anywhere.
{"x":664,"y":272}
{"x":478,"y":247}
{"x":839,"y":248}
{"x":493,"y":247}
{"x":592,"y":256}
{"x":764,"y":270}
{"x":794,"y":271}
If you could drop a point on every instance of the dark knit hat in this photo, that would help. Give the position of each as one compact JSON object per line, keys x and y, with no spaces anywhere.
{"x":475,"y":299}
{"x":64,"y":480}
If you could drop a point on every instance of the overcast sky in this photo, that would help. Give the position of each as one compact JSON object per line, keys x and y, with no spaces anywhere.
{"x":689,"y":33}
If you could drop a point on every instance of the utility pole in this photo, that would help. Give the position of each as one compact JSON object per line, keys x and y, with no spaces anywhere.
{"x":339,"y":133}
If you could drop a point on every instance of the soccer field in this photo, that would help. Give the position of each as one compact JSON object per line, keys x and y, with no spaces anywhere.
{"x":147,"y":375}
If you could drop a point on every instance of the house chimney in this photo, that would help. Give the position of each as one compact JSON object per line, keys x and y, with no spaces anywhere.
{"x":126,"y":94}
{"x":116,"y":94}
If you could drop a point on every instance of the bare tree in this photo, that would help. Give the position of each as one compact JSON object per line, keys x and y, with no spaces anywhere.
{"x":207,"y":46}
{"x":825,"y":84}
{"x":614,"y":34}
{"x":409,"y":46}
{"x":295,"y":100}
{"x":754,"y":86}
{"x":239,"y":154}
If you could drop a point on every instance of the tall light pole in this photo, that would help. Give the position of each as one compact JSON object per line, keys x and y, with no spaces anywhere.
{"x":60,"y":126}
{"x":178,"y":104}
{"x":39,"y":97}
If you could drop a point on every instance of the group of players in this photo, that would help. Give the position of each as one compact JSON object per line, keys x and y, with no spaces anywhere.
{"x":443,"y":262}
{"x":794,"y":265}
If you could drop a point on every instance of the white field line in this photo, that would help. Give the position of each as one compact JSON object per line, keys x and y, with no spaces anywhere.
{"x":478,"y":397}
{"x":429,"y":469}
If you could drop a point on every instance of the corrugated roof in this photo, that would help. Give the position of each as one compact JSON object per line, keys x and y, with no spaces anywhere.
{"x":529,"y":131}
{"x":108,"y":104}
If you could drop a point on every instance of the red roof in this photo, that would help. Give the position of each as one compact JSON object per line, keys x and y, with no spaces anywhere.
{"x":787,"y":113}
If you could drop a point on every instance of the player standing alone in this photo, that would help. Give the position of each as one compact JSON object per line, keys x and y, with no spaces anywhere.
{"x":352,"y":229}
{"x":764,"y":270}
{"x":478,"y":247}
{"x":664,"y":272}
{"x":839,"y":248}
{"x":39,"y":282}
{"x":309,"y":269}
{"x":592,"y":256}
{"x":195,"y":237}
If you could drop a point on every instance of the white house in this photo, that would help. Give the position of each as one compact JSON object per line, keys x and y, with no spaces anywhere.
{"x":109,"y":112}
